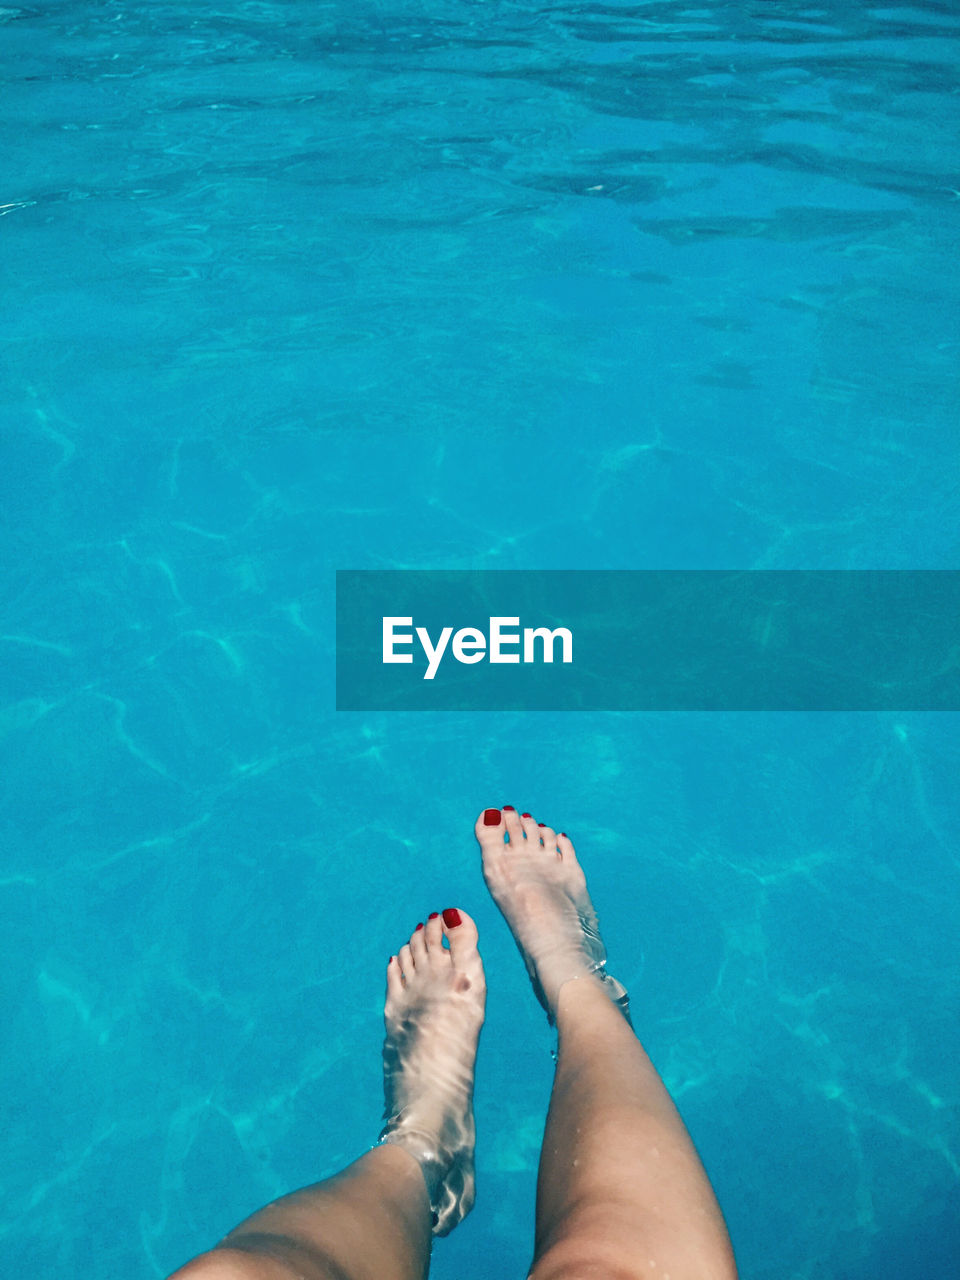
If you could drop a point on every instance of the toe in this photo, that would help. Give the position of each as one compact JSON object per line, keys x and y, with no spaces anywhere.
{"x":394,"y":979}
{"x":565,"y":848}
{"x":549,"y":837}
{"x":418,"y":946}
{"x":461,"y":933}
{"x":405,"y":961}
{"x":530,"y":829}
{"x":432,"y":935}
{"x":490,"y":828}
{"x":511,"y":821}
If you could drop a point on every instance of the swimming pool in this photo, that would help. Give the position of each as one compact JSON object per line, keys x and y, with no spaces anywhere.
{"x":293,"y":288}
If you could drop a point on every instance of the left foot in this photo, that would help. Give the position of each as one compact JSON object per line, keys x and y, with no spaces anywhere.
{"x":433,"y":1015}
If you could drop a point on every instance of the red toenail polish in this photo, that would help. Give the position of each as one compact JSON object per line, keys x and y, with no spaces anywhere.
{"x":541,"y":824}
{"x":391,"y":960}
{"x":510,"y":808}
{"x":419,"y":926}
{"x":526,"y":815}
{"x":491,"y":817}
{"x":433,"y":915}
{"x":565,"y":836}
{"x":451,"y":917}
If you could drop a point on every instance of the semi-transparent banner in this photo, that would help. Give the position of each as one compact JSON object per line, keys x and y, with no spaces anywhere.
{"x":648,"y":640}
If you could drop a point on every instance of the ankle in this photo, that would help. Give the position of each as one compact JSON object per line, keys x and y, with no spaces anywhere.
{"x":588,"y":996}
{"x":573,"y":989}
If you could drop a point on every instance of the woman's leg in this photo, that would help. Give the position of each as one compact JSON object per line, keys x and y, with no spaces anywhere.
{"x":374,"y":1220}
{"x":621,"y":1192}
{"x":371,"y":1220}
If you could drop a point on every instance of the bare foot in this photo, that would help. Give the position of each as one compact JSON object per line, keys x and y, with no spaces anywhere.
{"x":433,"y":1015}
{"x":539,"y":885}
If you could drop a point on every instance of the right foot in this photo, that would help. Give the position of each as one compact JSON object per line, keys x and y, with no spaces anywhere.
{"x":539,"y":885}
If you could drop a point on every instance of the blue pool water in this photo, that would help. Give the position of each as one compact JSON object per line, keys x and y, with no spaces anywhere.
{"x":295,"y":287}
